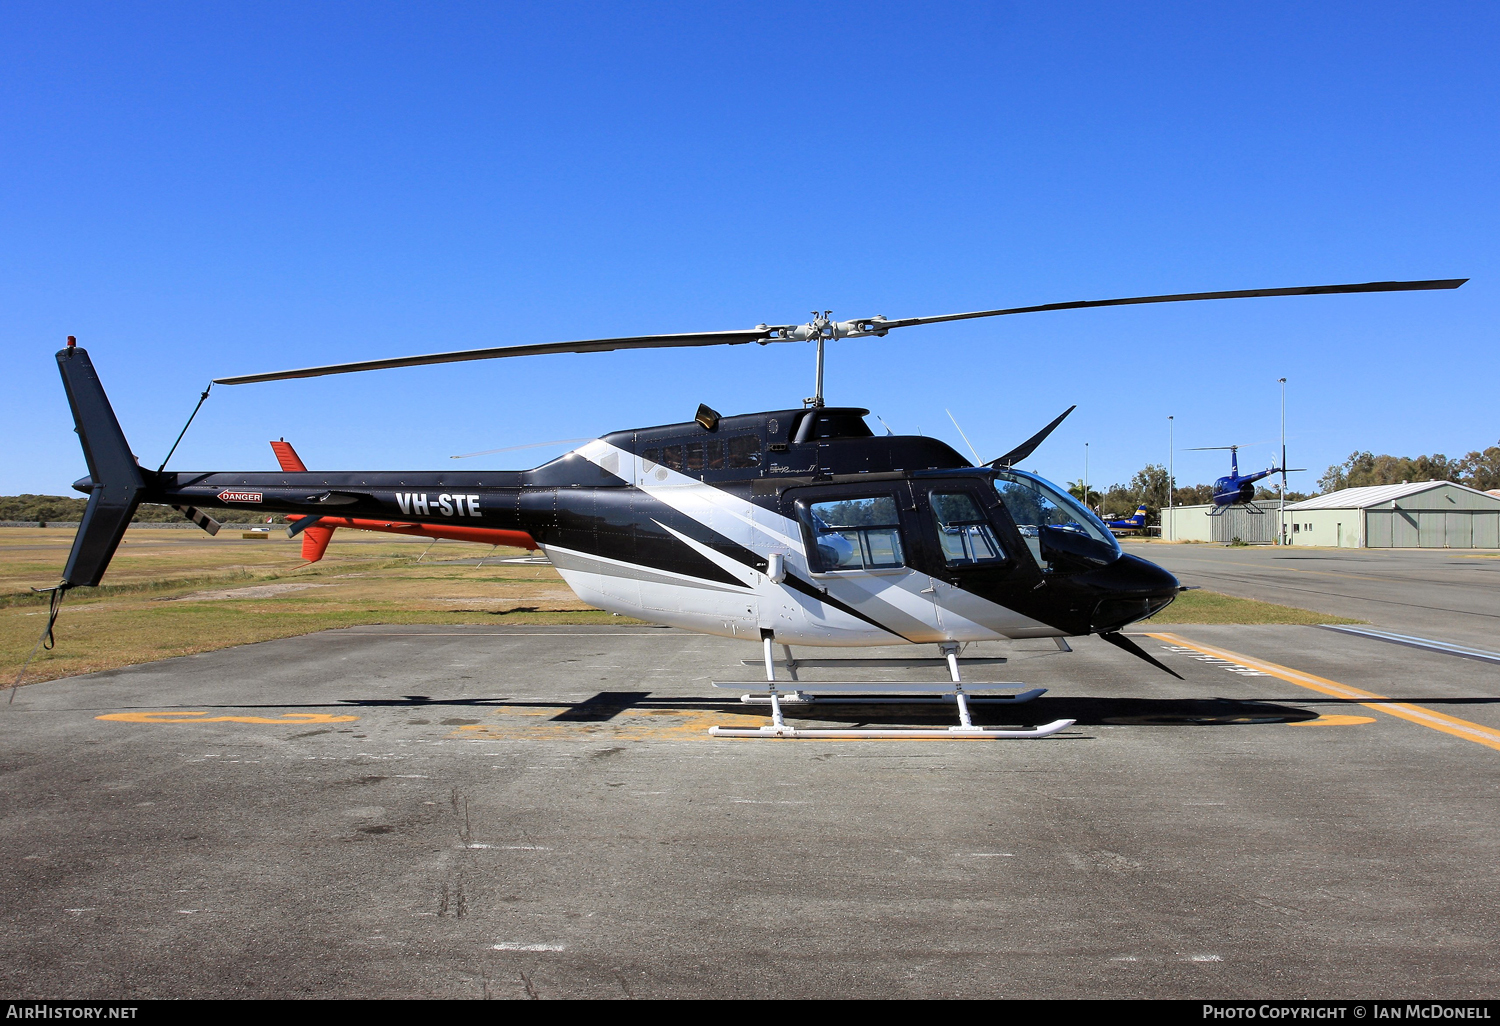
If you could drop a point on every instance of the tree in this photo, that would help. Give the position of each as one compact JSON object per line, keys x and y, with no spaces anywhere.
{"x":1481,"y":469}
{"x":1193,"y":495}
{"x":1091,"y":500}
{"x":1363,"y":469}
{"x":1149,"y":486}
{"x":67,"y":509}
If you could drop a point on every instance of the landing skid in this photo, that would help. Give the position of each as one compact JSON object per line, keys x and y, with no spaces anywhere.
{"x":805,"y":696}
{"x":951,"y":734}
{"x":858,"y":693}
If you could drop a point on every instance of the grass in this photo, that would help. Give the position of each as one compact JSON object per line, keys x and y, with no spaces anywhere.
{"x":1199,"y":606}
{"x":172,"y":592}
{"x":179,"y":592}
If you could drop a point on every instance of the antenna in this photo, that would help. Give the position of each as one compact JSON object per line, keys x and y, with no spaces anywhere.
{"x":977,"y":460}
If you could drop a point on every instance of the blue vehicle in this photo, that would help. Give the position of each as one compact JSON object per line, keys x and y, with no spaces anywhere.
{"x":1135,"y":522}
{"x":1236,"y":489}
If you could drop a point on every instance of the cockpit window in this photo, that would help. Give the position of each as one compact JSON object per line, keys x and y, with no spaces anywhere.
{"x":963,"y":531}
{"x":1034,"y":504}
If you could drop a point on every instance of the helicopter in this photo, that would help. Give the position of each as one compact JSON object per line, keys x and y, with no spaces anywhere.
{"x":1238,"y":489}
{"x":790,"y":526}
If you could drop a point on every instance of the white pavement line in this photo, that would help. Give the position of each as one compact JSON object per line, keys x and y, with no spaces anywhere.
{"x":1446,"y":647}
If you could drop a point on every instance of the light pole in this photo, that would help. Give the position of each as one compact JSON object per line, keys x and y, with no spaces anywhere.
{"x":1171,"y":470}
{"x":1086,"y":503}
{"x":1283,"y":459}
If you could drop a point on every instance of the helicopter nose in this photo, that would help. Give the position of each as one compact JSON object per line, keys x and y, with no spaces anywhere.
{"x":1133,"y":589}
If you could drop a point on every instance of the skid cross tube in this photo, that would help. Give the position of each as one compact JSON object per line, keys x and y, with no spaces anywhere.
{"x":856,"y":692}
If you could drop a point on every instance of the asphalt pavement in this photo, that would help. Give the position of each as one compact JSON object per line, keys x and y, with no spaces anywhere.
{"x":1451,"y":593}
{"x":539,"y":812}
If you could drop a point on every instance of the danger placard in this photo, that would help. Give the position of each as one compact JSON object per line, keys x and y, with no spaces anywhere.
{"x":239,"y":496}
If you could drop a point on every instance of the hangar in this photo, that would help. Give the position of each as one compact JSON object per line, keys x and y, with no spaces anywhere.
{"x":1194,"y":523}
{"x":1423,"y":514}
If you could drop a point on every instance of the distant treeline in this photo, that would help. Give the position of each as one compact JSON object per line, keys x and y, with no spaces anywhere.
{"x":1149,"y":486}
{"x":1478,"y":469}
{"x":64,"y":509}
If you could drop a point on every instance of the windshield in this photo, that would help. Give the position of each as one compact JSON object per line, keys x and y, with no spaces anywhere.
{"x":1033,"y":504}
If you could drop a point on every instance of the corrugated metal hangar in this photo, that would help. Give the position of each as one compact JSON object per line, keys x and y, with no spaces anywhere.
{"x":1192,"y":523}
{"x":1425,"y":514}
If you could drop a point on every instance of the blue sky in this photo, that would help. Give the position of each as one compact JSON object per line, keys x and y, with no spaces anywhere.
{"x":197,"y":190}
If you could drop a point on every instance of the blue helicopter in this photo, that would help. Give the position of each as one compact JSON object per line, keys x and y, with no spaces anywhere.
{"x":1237,"y":489}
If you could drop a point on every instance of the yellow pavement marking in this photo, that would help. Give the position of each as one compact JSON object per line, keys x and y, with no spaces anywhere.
{"x":634,"y":725}
{"x":626,"y":725}
{"x":1487,"y":736}
{"x":1332,"y":721}
{"x":177,"y":716}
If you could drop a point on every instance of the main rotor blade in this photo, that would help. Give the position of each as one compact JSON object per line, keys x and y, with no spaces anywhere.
{"x":596,"y":345}
{"x":1189,"y":297}
{"x":774,"y":333}
{"x":1027,"y":447}
{"x":1120,"y":641}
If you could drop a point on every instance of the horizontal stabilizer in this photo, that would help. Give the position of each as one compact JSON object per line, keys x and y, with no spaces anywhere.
{"x":200,"y":518}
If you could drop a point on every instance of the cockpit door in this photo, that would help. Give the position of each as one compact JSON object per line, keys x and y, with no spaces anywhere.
{"x":963,"y":554}
{"x":862,"y":543}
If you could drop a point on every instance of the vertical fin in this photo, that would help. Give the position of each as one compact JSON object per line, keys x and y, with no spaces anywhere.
{"x":315,"y":542}
{"x":287,"y":457}
{"x":119,"y":481}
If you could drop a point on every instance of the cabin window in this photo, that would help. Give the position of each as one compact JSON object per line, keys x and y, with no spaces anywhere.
{"x":715,"y":455}
{"x":695,"y":462}
{"x":856,"y":534}
{"x":671,"y":457}
{"x":652,"y":458}
{"x":744,"y":452}
{"x":963,"y":530}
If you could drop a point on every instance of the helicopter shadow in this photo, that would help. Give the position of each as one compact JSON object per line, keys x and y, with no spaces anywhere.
{"x":1086,"y":711}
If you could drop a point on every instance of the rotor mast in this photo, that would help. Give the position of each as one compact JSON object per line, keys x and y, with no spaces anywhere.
{"x":822,"y":329}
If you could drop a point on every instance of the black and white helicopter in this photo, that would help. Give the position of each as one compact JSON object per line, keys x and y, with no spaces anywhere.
{"x":793,"y":527}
